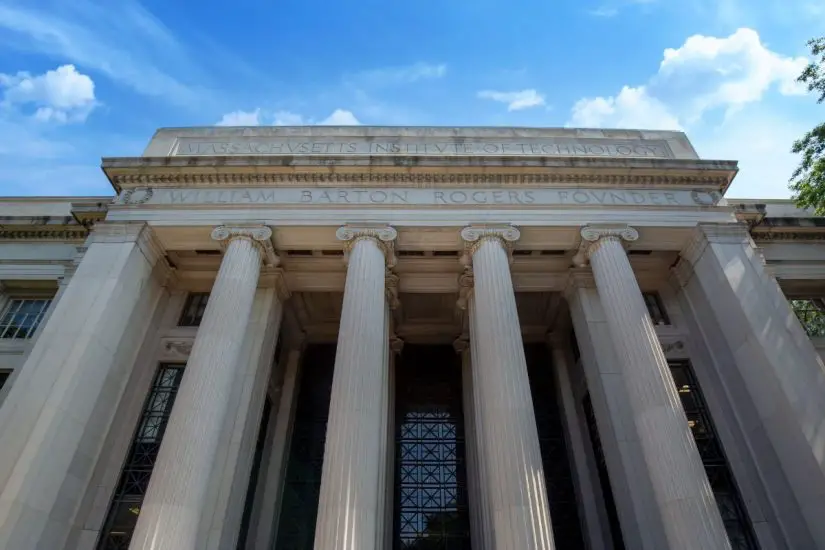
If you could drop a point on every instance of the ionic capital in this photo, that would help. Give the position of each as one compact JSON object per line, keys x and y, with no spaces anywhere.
{"x":384,"y":236}
{"x":594,"y":235}
{"x":259,"y":235}
{"x":475,"y":235}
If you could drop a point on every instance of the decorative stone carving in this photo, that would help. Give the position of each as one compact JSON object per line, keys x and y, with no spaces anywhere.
{"x":671,"y":347}
{"x":260,"y":235}
{"x":396,"y":344}
{"x":465,"y":283}
{"x":177,"y":348}
{"x":461,"y":344}
{"x":384,"y":236}
{"x":391,"y":285}
{"x":474,"y":235}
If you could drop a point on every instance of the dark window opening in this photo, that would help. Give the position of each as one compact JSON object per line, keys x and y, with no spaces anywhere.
{"x":302,"y":482}
{"x":558,"y":478}
{"x":140,"y":460}
{"x":254,"y":474}
{"x":4,"y":375}
{"x":722,"y":483}
{"x":445,"y":253}
{"x":193,"y":309}
{"x":604,"y":478}
{"x":430,"y":508}
{"x":655,"y":308}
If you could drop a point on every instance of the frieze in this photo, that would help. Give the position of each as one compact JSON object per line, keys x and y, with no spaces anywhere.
{"x":400,"y":197}
{"x":810,"y":236}
{"x":366,"y":179}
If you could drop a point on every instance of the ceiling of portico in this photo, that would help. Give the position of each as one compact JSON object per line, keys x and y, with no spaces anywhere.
{"x":422,"y":318}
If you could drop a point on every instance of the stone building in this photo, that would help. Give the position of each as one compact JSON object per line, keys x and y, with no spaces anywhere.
{"x":375,"y":338}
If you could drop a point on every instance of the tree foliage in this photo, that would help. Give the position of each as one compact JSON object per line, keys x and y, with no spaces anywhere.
{"x":808,"y":180}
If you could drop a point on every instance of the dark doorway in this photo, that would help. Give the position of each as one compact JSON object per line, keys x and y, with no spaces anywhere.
{"x":430,"y":506}
{"x":302,"y":483}
{"x":558,"y":476}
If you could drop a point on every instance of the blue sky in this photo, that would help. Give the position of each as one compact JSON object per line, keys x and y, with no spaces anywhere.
{"x":83,"y":79}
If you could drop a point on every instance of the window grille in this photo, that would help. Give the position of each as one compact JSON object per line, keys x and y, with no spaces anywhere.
{"x":193,"y":309}
{"x":22,"y":316}
{"x":657,"y":312}
{"x":134,"y":478}
{"x":722,"y":483}
{"x":811,"y":313}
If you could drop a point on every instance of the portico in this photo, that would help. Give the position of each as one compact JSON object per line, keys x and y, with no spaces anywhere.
{"x":383,"y":338}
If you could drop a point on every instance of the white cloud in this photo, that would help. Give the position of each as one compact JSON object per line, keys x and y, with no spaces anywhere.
{"x":60,"y":95}
{"x":728,"y":72}
{"x":287,"y":118}
{"x":630,"y":108}
{"x":515,"y":101}
{"x":128,"y":45}
{"x":340,"y":117}
{"x":715,"y":89}
{"x":241,"y":118}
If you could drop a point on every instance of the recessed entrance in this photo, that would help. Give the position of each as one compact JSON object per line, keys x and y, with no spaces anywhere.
{"x":430,"y":506}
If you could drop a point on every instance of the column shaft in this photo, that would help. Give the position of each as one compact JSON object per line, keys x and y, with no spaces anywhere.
{"x":348,"y":513}
{"x":175,"y":500}
{"x":513,"y":471}
{"x":681,"y":489}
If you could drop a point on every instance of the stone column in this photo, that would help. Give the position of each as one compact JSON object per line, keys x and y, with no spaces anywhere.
{"x":686,"y":504}
{"x":349,"y":517}
{"x":175,"y":501}
{"x":54,"y":421}
{"x":512,"y":473}
{"x":596,"y":532}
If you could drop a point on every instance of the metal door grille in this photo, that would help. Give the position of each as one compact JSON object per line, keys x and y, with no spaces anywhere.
{"x":431,"y":492}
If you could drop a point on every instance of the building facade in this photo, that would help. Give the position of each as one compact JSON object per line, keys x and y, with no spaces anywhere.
{"x":376,"y":338}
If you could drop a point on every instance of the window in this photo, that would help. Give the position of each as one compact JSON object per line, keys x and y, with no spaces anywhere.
{"x":722,"y":483}
{"x":134,"y":478}
{"x":811,"y":313}
{"x":653,"y":302}
{"x":193,"y":309}
{"x":22,"y":317}
{"x":4,"y":376}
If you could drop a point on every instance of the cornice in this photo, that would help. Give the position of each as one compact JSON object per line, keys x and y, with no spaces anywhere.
{"x":44,"y":233}
{"x":489,"y":177}
{"x":788,"y":236}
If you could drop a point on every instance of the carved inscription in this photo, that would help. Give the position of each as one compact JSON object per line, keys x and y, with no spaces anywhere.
{"x":419,"y":197}
{"x":582,"y":147}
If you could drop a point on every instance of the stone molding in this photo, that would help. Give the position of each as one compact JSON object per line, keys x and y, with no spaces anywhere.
{"x":383,"y":235}
{"x":68,"y":233}
{"x":594,"y":234}
{"x":461,"y":344}
{"x":396,"y":344}
{"x":474,"y":235}
{"x":139,"y":233}
{"x":789,"y":236}
{"x":176,"y":349}
{"x":259,"y":235}
{"x":274,"y":276}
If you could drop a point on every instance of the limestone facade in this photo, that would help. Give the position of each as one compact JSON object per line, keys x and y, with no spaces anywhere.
{"x":162,"y":344}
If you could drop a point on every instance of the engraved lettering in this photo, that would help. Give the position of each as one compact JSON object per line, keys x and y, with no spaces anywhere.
{"x":458,"y":197}
{"x":498,"y":197}
{"x":342,"y":196}
{"x":618,"y":197}
{"x":306,"y":196}
{"x":671,"y":199}
{"x":399,"y":196}
{"x":266,"y":196}
{"x":562,"y":196}
{"x":654,"y":198}
{"x":480,"y":197}
{"x":528,"y":197}
{"x":325,"y":197}
{"x":638,"y":198}
{"x":599,"y":199}
{"x":514,"y":198}
{"x":183,"y":196}
{"x":439,"y":196}
{"x":581,"y":197}
{"x":378,"y":196}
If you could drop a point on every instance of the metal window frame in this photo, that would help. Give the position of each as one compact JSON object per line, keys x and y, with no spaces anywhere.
{"x":193,"y":300}
{"x":10,"y":331}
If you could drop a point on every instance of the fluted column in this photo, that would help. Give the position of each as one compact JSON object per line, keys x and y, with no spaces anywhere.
{"x":355,"y":461}
{"x":680,"y":486}
{"x":176,"y":497}
{"x":512,"y":473}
